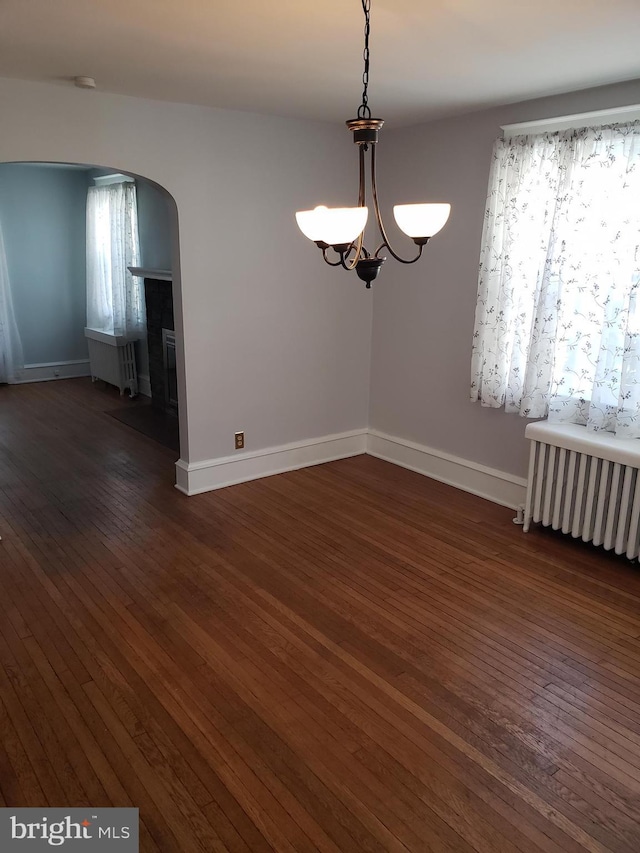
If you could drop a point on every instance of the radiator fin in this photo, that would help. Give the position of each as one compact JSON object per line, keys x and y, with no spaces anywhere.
{"x":593,"y":499}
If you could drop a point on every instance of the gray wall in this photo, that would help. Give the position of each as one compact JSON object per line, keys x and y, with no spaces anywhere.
{"x":423,"y":315}
{"x":154,"y":226}
{"x":42,"y":210}
{"x":270,"y":340}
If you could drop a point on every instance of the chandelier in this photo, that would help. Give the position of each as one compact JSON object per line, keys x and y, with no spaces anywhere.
{"x":342,"y":228}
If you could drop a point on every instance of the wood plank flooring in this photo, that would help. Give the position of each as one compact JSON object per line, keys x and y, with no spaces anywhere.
{"x":346,"y":658}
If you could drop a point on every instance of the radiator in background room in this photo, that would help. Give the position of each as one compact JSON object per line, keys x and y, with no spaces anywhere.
{"x":113,"y":359}
{"x":586,"y":484}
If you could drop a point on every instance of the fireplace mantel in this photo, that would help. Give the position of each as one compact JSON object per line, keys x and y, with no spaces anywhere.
{"x":159,"y":275}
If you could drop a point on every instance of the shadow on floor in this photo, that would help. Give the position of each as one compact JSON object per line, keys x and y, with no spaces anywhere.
{"x":159,"y":426}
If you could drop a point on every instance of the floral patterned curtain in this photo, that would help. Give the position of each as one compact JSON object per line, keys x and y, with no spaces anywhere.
{"x":557,"y":328}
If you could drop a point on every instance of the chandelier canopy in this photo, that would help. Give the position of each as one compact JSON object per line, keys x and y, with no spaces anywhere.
{"x":342,"y":228}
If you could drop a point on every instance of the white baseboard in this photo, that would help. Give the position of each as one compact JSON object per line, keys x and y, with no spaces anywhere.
{"x":497,"y":486}
{"x":490,"y":483}
{"x":144,"y":385}
{"x":197,"y":477}
{"x":52,"y":370}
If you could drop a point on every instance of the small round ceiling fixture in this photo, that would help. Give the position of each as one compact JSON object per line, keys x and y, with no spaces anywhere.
{"x":84,"y":82}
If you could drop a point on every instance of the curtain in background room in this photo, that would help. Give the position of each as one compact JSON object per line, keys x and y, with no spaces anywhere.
{"x":557,"y":328}
{"x":11,"y":358}
{"x":115,"y":298}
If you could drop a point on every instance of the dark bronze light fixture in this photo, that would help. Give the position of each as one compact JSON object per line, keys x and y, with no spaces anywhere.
{"x":342,"y":228}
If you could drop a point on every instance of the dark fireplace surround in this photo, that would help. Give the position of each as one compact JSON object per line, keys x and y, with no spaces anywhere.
{"x":158,"y":295}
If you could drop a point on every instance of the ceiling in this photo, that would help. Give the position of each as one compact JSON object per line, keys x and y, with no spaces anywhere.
{"x":298,"y":58}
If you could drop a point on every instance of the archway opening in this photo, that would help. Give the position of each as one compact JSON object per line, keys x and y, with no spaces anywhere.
{"x":61,"y":255}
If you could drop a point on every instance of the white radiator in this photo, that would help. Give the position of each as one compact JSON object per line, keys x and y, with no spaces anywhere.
{"x":113,"y":359}
{"x":585,"y":484}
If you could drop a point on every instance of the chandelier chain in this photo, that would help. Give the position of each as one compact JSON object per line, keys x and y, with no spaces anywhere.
{"x":363,"y":109}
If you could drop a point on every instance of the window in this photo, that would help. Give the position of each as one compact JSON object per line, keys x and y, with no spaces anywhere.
{"x":115,"y":298}
{"x":557,"y":328}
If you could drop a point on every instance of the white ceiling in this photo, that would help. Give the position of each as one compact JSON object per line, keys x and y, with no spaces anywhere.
{"x":301,"y":58}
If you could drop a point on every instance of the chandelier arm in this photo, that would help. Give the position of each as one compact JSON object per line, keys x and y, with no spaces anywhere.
{"x":385,"y":240}
{"x":351,"y":265}
{"x":344,"y":254}
{"x":331,"y":263}
{"x":385,"y":245}
{"x":360,"y":249}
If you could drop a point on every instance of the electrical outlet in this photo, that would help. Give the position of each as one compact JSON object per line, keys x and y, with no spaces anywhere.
{"x":56,"y":372}
{"x":239,"y":441}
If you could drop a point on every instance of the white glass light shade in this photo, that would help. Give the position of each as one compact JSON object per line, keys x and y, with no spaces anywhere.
{"x":333,"y":225}
{"x":310,"y":222}
{"x":343,"y":224}
{"x":421,"y":220}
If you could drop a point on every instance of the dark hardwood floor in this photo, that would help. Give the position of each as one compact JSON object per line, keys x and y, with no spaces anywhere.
{"x":345,"y":658}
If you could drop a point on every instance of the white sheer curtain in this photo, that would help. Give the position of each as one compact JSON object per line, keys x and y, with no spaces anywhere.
{"x":557,"y":329}
{"x":11,"y":358}
{"x":115,"y":298}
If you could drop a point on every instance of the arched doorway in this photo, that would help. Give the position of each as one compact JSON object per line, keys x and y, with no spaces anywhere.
{"x":46,"y":315}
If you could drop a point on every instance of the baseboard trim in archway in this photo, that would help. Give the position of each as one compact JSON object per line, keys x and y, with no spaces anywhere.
{"x":197,"y":477}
